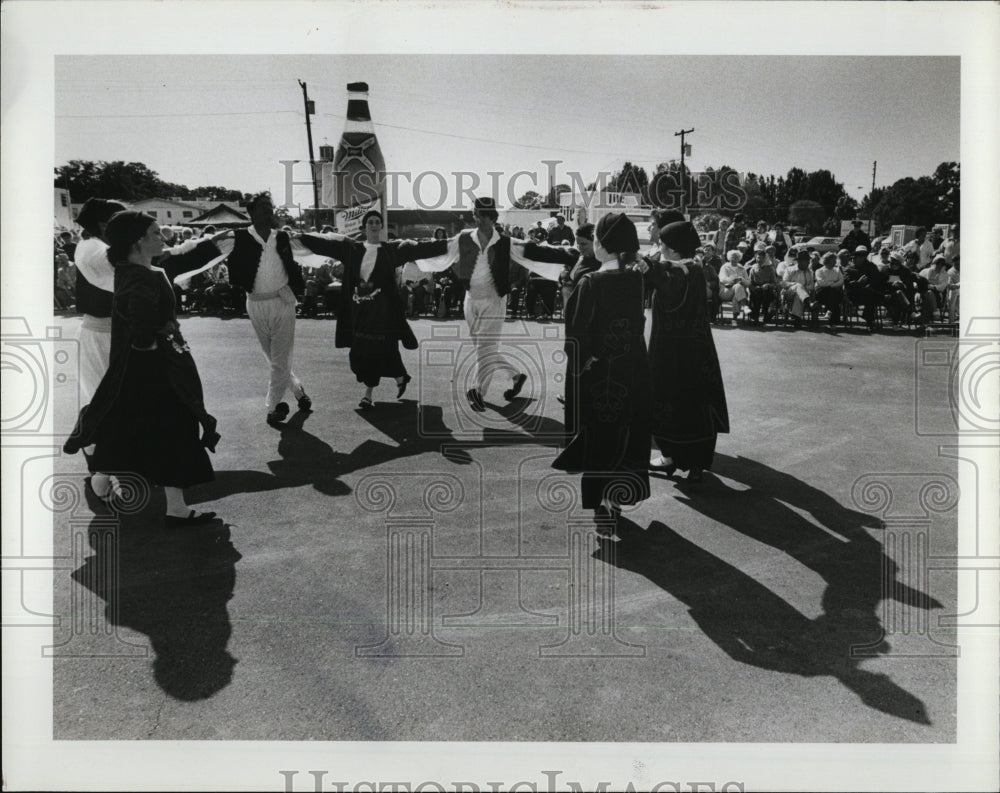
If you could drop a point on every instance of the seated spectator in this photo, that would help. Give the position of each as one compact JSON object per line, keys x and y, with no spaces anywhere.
{"x":865,"y":285}
{"x":902,"y":287}
{"x":65,"y":284}
{"x":937,"y":281}
{"x":781,"y":242}
{"x":830,"y":287}
{"x":881,"y":259}
{"x":541,"y":291}
{"x":734,"y":281}
{"x":763,"y":285}
{"x":953,"y":285}
{"x":788,"y":263}
{"x":746,"y":254}
{"x":815,"y":261}
{"x":797,"y":288}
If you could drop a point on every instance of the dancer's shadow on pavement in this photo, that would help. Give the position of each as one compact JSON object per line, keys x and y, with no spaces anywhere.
{"x":306,"y":459}
{"x":857,"y":572}
{"x":752,"y":624}
{"x":527,"y":427}
{"x":172,"y":585}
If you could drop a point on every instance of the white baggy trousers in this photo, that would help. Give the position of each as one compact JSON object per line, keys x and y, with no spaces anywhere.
{"x":273,"y":320}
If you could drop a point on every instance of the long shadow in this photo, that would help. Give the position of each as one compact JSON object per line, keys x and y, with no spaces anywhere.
{"x":857,"y":572}
{"x":172,"y":585}
{"x":752,"y":624}
{"x":308,"y":460}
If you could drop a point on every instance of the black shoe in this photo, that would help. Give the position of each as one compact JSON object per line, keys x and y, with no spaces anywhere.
{"x":475,"y":400}
{"x":695,"y":476}
{"x":278,"y":415}
{"x":515,"y":389}
{"x":366,"y":403}
{"x":305,"y":403}
{"x":402,"y":386}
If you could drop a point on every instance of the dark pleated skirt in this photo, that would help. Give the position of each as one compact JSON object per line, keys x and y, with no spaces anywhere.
{"x":149,"y":431}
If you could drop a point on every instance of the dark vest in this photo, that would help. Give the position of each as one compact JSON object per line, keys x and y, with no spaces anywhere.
{"x":244,"y":261}
{"x":91,"y":300}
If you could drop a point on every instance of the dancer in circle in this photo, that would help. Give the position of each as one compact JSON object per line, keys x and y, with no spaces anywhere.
{"x":483,"y":261}
{"x":689,"y":399}
{"x":371,"y":320}
{"x":607,"y":378}
{"x":262,"y":264}
{"x":95,"y":288}
{"x":145,"y":415}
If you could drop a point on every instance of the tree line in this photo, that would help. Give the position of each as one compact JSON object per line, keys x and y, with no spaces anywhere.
{"x":813,"y":200}
{"x":130,"y":181}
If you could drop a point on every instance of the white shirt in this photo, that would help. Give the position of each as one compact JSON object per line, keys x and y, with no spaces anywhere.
{"x":368,"y":262}
{"x":271,"y":275}
{"x":481,"y":282}
{"x":91,"y":259}
{"x":730,"y":272}
{"x":829,"y":276}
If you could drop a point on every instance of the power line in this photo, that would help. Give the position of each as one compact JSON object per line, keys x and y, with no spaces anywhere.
{"x":182,"y":115}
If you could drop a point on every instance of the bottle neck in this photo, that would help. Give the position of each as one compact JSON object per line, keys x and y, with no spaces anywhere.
{"x":359,"y":117}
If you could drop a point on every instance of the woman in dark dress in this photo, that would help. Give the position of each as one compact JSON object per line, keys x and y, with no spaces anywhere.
{"x":145,"y":415}
{"x":371,"y":319}
{"x":607,"y":378}
{"x":689,"y":400}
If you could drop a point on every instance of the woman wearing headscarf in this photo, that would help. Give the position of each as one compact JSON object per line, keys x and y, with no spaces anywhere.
{"x":145,"y":415}
{"x":607,"y":378}
{"x":689,"y":400}
{"x":371,"y":319}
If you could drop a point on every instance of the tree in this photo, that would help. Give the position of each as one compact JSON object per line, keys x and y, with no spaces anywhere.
{"x":709,"y":221}
{"x":947,"y":179}
{"x":555,"y":192}
{"x":630,"y":179}
{"x":131,"y":181}
{"x":909,"y":201}
{"x":530,"y":200}
{"x":823,"y":188}
{"x":809,"y":214}
{"x":846,"y":209}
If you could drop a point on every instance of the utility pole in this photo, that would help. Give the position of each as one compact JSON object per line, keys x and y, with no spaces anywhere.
{"x":682,"y":133}
{"x":871,"y":200}
{"x":310,"y":109}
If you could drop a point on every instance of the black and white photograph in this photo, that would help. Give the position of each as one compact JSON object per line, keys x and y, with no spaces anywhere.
{"x":516,"y":396}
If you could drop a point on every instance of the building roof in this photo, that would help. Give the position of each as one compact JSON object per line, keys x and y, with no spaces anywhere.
{"x":221,"y":215}
{"x":179,"y":204}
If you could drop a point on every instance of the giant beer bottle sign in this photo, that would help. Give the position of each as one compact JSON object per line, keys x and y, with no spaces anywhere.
{"x":355,"y":182}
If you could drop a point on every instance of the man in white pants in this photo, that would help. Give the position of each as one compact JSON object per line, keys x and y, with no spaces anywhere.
{"x":481,"y":259}
{"x":261,"y":263}
{"x":95,"y":287}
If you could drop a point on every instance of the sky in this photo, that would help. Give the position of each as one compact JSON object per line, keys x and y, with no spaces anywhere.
{"x":232,"y":120}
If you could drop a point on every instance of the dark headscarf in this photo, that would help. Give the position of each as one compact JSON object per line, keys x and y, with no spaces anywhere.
{"x":681,"y":237}
{"x":617,"y":234}
{"x":664,"y":217}
{"x":96,"y":211}
{"x":124,"y":230}
{"x":586,"y":231}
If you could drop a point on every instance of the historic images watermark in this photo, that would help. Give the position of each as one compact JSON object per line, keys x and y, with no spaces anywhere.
{"x":320,"y":784}
{"x":430,"y":190}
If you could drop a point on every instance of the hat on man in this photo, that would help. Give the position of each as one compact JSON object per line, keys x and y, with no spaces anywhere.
{"x":887,"y":243}
{"x":896,"y":256}
{"x":861,"y":249}
{"x":487,"y":206}
{"x":843,"y":252}
{"x":856,"y":223}
{"x":802,"y":254}
{"x":760,"y":246}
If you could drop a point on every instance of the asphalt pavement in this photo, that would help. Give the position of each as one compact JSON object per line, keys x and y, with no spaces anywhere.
{"x":420,"y":572}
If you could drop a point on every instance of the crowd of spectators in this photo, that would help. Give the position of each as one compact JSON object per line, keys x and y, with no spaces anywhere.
{"x":757,"y":270}
{"x":762,"y":275}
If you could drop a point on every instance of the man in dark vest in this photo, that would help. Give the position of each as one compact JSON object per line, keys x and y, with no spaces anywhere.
{"x":481,"y":261}
{"x":261,"y":263}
